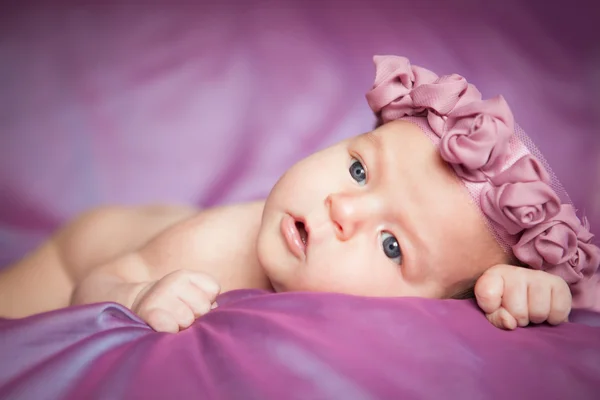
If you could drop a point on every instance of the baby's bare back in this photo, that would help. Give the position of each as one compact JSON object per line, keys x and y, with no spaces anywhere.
{"x":219,"y":242}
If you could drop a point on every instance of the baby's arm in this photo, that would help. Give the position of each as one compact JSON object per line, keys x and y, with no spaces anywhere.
{"x":188,"y":261}
{"x":514,"y":296}
{"x":44,"y":279}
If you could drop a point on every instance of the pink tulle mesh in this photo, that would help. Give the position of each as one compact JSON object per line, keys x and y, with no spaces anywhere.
{"x":554,"y":182}
{"x":520,"y":145}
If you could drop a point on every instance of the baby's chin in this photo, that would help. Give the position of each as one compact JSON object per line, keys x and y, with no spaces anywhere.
{"x":276,"y":284}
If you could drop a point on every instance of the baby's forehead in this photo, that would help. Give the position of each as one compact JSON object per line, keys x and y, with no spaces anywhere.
{"x":403,"y":144}
{"x":395,"y":133}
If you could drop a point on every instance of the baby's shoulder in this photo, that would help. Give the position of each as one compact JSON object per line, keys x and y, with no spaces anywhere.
{"x":218,"y":222}
{"x":212,"y":241}
{"x":242,"y":215}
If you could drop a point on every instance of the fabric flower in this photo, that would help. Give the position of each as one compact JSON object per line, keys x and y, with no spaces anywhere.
{"x":391,"y":94}
{"x":586,"y":293}
{"x":441,"y":97}
{"x":561,"y":246}
{"x":476,"y":138}
{"x":520,"y":198}
{"x":402,"y":90}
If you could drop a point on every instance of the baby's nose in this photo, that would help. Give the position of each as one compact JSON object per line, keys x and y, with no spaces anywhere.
{"x":349,"y":212}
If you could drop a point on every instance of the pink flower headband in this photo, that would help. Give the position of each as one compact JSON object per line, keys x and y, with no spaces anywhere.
{"x":494,"y":159}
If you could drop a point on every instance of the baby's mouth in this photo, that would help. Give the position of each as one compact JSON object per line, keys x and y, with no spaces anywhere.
{"x":302,"y":231}
{"x":295,"y":233}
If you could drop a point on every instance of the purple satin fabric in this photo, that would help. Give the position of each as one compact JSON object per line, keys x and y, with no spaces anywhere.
{"x":299,"y":346}
{"x":209,"y":103}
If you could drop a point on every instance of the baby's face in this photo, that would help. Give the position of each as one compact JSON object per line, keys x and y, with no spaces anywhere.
{"x":380,"y":214}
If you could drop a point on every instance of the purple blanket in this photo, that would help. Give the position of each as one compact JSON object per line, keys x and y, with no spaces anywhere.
{"x":208,"y":104}
{"x":299,"y":346}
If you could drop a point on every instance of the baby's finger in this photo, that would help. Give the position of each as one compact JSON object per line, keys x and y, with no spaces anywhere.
{"x":207,"y":283}
{"x":161,"y":321}
{"x":514,"y":300}
{"x":502,"y":319}
{"x":195,"y":299}
{"x":183,"y":314}
{"x":488,"y":292}
{"x":539,"y":301}
{"x":560,"y":305}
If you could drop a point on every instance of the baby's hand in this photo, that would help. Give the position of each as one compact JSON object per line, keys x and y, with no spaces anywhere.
{"x":514,"y":296}
{"x":174,"y":302}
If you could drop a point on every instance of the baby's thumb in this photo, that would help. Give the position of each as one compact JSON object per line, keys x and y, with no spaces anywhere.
{"x":207,"y":283}
{"x":502,"y":319}
{"x":488,"y":292}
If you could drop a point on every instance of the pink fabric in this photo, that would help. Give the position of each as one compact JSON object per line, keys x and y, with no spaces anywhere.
{"x":208,"y":103}
{"x":562,"y":246}
{"x":260,"y":346}
{"x":477,"y":138}
{"x":505,"y":204}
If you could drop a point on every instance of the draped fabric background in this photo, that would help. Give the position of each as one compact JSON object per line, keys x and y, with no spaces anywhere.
{"x":209,"y":102}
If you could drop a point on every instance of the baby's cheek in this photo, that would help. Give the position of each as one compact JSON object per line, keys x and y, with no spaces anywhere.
{"x":344,"y":270}
{"x":315,"y":177}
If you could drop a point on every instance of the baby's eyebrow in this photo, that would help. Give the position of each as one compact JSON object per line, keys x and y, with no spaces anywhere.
{"x":374,"y":144}
{"x":374,"y":140}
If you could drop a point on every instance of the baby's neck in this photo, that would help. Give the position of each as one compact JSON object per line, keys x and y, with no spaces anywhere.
{"x":248,"y":276}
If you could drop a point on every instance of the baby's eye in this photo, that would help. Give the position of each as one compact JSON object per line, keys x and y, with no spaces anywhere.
{"x":391,"y":247}
{"x":358,"y":172}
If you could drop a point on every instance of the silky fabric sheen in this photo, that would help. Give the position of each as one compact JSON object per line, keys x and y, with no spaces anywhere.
{"x":209,"y":103}
{"x":299,"y":346}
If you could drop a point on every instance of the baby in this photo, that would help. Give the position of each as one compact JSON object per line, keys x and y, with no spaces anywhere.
{"x":441,"y":200}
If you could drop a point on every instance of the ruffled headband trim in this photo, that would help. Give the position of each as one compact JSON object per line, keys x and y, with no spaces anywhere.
{"x":476,"y":137}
